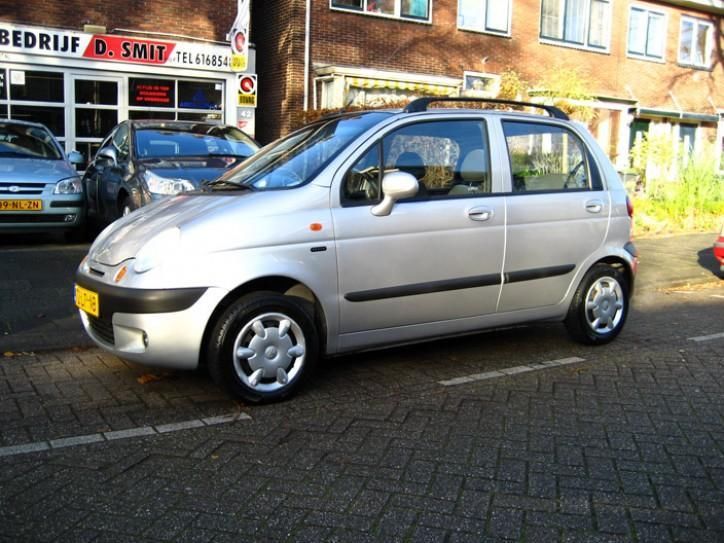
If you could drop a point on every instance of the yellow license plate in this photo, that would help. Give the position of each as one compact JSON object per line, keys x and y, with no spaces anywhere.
{"x":87,"y":300}
{"x":21,"y":205}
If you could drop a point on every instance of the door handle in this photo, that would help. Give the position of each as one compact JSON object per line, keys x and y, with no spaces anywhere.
{"x":594,"y":206}
{"x":480,"y":213}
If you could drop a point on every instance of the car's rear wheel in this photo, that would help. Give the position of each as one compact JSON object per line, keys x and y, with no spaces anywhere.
{"x":599,"y":307}
{"x":263,"y":347}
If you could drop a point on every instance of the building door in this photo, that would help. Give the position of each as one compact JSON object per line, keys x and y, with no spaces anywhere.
{"x":95,"y":105}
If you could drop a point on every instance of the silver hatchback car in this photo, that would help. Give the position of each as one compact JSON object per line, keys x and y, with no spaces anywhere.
{"x":366,"y":230}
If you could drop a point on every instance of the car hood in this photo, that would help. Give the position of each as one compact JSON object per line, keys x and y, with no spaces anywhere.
{"x":192,"y":169}
{"x":212,"y":222}
{"x":34,"y":170}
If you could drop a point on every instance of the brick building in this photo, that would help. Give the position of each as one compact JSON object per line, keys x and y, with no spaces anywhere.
{"x":651,"y":65}
{"x":81,"y":67}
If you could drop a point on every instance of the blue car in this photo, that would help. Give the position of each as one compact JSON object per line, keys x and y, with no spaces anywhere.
{"x":40,"y":190}
{"x":141,"y":161}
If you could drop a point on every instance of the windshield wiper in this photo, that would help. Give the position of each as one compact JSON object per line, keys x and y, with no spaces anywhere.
{"x":221,"y":184}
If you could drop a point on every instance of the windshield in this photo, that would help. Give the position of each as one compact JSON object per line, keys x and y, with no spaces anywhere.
{"x":300,"y":156}
{"x":20,"y":141}
{"x":197,"y":140}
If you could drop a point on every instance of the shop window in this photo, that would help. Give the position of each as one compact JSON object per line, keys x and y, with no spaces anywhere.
{"x":199,"y":95}
{"x":3,"y":111}
{"x":484,"y":16}
{"x":646,"y":33}
{"x":52,"y":117}
{"x":214,"y":117}
{"x":93,"y":123}
{"x":582,"y":23}
{"x":36,"y":86}
{"x":695,"y":43}
{"x":404,"y":9}
{"x":151,"y":92}
{"x":103,"y":93}
{"x":3,"y":86}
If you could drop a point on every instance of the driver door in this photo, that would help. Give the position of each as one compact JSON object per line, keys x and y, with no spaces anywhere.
{"x":433,"y":265}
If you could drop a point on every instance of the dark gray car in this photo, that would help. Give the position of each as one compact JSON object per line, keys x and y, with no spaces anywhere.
{"x":142,"y":161}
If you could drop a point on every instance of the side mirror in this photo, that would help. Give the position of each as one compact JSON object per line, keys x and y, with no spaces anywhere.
{"x":75,"y":157}
{"x":395,"y":186}
{"x":107,"y":154}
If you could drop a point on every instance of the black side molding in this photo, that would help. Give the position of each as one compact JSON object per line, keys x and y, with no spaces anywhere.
{"x":115,"y":299}
{"x":457,"y":283}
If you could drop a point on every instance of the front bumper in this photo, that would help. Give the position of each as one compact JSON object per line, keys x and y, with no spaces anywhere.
{"x":155,"y":327}
{"x":60,"y":212}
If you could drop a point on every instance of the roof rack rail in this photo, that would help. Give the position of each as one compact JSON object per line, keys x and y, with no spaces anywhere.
{"x":420,"y":104}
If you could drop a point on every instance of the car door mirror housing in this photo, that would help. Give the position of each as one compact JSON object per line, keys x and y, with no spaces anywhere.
{"x":395,"y":186}
{"x":106,"y":156}
{"x":75,"y":157}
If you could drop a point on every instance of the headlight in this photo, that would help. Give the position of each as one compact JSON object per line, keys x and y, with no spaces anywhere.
{"x":157,"y":249}
{"x":72,"y":185}
{"x":163,"y":185}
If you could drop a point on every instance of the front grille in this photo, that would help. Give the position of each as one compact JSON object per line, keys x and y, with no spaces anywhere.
{"x":21,"y":188}
{"x":32,"y":218}
{"x":103,"y":328}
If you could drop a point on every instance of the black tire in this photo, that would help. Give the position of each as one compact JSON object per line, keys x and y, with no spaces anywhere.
{"x":599,"y":307}
{"x":274,"y":369}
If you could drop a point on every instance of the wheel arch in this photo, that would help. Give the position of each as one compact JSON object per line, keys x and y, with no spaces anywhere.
{"x":286,"y":286}
{"x":622,"y":265}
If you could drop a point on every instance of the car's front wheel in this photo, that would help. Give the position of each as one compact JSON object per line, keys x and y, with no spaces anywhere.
{"x":599,"y":307}
{"x":263,"y":346}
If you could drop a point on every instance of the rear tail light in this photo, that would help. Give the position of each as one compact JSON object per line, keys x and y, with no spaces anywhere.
{"x":629,"y":207}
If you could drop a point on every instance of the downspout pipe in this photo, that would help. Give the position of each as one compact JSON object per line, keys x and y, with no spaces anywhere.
{"x":307,"y":52}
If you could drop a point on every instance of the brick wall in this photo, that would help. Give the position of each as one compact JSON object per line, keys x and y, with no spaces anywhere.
{"x":350,"y":39}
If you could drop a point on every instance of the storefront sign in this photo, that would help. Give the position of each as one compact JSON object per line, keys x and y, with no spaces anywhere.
{"x":238,"y":37}
{"x":81,"y":45}
{"x":246,"y":89}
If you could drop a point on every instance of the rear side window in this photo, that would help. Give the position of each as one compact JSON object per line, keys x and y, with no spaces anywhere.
{"x":449,"y":159}
{"x":545,"y":158}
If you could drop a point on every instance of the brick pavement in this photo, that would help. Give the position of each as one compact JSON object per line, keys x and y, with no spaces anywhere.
{"x":626,"y":446}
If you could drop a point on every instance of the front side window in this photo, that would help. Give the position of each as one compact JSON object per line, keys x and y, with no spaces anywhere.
{"x":646,"y":33}
{"x":120,"y":142}
{"x":484,"y":15}
{"x":583,"y":23}
{"x":546,"y":158}
{"x":696,"y":42}
{"x":403,"y":9}
{"x":449,"y":159}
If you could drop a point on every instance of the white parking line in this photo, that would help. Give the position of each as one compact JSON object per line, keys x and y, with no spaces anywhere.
{"x":74,"y":441}
{"x":707,"y":338}
{"x":535,"y":366}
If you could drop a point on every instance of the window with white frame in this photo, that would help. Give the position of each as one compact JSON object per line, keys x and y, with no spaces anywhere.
{"x":579,"y":23}
{"x":402,"y":9}
{"x":484,"y":16}
{"x":695,"y":43}
{"x":646,"y":33}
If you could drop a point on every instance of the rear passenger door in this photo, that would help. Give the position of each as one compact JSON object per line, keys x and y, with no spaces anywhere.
{"x":557,"y":212}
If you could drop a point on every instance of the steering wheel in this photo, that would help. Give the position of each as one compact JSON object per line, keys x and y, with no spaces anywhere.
{"x":571,"y":177}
